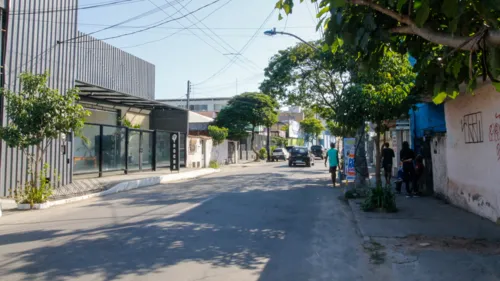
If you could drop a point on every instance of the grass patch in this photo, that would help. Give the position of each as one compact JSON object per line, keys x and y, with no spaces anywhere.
{"x":214,"y":164}
{"x":380,"y":199}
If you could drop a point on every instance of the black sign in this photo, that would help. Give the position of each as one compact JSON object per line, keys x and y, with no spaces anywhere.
{"x":174,"y":152}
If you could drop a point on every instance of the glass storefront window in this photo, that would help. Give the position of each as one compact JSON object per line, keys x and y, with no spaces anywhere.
{"x":147,"y":150}
{"x":134,"y":139}
{"x":162,"y":149}
{"x":113,"y":148}
{"x":86,"y":155}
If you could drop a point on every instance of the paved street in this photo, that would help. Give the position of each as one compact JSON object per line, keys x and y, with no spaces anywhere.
{"x":267,"y":223}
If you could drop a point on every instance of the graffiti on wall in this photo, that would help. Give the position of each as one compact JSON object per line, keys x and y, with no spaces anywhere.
{"x":494,"y":134}
{"x":472,"y":126}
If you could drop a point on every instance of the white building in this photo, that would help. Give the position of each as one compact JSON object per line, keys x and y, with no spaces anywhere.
{"x":199,"y":104}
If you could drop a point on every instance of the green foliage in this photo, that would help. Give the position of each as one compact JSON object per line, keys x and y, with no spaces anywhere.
{"x":37,"y":194}
{"x":40,"y":113}
{"x":263,"y":153}
{"x":445,"y":37}
{"x":217,"y":134}
{"x":312,"y":127}
{"x":272,"y":148}
{"x":279,"y":141}
{"x":35,"y":114}
{"x":214,"y":164}
{"x":285,"y":128}
{"x":127,"y":123}
{"x":380,"y":199}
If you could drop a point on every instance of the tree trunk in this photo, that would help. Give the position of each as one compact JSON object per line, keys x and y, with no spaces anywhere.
{"x":268,"y":148}
{"x":360,"y":164}
{"x":257,"y":156}
{"x":37,"y":162}
{"x":378,"y":169}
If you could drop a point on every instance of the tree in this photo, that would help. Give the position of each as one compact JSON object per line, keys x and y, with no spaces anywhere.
{"x":248,"y":110}
{"x":280,"y":141}
{"x":312,"y":127}
{"x":381,"y":94}
{"x":217,"y":134}
{"x":37,"y":115}
{"x":453,"y":42}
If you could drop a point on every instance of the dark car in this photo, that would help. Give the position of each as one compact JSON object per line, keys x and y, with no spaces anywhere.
{"x":318,"y":151}
{"x":289,"y":148}
{"x":301,"y":155}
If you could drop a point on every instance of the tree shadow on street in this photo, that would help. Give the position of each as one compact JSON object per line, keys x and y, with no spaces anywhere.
{"x":243,"y":229}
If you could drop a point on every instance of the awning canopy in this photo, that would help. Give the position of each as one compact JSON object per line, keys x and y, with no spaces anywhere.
{"x":101,"y":94}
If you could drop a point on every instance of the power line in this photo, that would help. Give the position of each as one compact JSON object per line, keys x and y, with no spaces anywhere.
{"x":83,"y":7}
{"x":194,"y":28}
{"x":145,"y":14}
{"x":224,"y":42}
{"x":170,"y":35}
{"x":148,"y":28}
{"x":179,"y":12}
{"x":224,"y":68}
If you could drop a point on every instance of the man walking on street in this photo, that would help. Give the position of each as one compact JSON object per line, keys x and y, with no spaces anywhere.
{"x":332,"y":156}
{"x":387,"y":158}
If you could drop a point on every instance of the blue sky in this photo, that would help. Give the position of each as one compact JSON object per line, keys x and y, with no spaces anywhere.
{"x":184,"y":56}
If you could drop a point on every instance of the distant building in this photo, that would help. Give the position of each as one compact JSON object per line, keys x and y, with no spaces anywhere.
{"x":199,"y":104}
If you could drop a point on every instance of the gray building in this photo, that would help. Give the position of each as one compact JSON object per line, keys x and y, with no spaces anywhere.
{"x":199,"y":104}
{"x":42,"y":36}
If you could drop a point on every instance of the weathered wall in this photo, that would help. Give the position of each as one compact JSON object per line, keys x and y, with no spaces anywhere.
{"x":32,"y":46}
{"x":439,"y":169}
{"x":473,"y":152}
{"x":195,"y":158}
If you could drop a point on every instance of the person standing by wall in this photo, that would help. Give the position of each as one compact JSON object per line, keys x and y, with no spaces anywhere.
{"x":332,"y":156}
{"x":407,"y":155}
{"x":387,"y":158}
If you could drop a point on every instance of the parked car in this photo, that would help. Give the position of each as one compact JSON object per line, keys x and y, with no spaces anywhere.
{"x":301,"y":155}
{"x":289,"y":149}
{"x":280,"y":154}
{"x":318,"y":151}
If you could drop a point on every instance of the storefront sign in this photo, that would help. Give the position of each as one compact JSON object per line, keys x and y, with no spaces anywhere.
{"x":174,"y":152}
{"x":349,"y":155}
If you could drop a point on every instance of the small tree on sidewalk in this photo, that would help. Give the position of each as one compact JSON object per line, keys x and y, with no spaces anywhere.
{"x":37,"y":115}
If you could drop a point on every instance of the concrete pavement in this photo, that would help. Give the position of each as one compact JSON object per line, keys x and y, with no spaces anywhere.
{"x":266,"y":222}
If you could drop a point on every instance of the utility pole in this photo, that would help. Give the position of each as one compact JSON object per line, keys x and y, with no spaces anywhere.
{"x":188,"y":94}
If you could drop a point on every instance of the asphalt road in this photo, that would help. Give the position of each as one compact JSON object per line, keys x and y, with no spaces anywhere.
{"x":269,"y":222}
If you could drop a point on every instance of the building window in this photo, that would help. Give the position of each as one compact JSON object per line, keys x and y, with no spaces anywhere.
{"x":181,"y":106}
{"x":198,"y":107}
{"x":218,"y":107}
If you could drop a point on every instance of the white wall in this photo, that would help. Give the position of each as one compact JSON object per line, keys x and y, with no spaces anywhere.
{"x":195,"y":152}
{"x":439,"y":169}
{"x":473,"y":152}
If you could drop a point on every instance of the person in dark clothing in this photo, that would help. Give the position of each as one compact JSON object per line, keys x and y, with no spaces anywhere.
{"x":387,"y":157}
{"x":407,"y":155}
{"x":419,"y":171}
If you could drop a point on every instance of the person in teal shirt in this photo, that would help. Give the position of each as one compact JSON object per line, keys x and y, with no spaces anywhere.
{"x":332,"y":156}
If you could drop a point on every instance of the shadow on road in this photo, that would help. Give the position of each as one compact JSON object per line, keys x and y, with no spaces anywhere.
{"x":260,"y":221}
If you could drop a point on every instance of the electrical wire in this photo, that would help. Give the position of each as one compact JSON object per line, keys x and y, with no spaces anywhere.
{"x":94,"y":6}
{"x":179,"y":12}
{"x":140,"y":16}
{"x":145,"y":29}
{"x":195,"y":28}
{"x":170,"y":35}
{"x":231,"y":49}
{"x":243,"y":49}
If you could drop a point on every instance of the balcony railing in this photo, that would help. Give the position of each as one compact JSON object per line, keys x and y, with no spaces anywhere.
{"x":115,"y":148}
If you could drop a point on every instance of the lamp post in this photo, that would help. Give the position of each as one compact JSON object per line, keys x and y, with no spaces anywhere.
{"x":273,"y":32}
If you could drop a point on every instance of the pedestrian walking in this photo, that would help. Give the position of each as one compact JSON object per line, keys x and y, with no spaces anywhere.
{"x":332,"y":157}
{"x":387,"y":158}
{"x":407,"y":155}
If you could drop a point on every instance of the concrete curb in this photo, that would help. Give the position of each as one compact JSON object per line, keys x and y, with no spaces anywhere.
{"x":355,"y":209}
{"x":126,"y":186}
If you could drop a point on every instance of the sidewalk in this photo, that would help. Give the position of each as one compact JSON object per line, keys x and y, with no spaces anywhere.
{"x":87,"y":188}
{"x":428,"y":239}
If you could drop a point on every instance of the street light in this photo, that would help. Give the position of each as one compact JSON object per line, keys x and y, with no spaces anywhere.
{"x":273,"y":32}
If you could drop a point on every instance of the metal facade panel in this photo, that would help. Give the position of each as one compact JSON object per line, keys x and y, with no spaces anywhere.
{"x":103,"y":65}
{"x":34,"y":27}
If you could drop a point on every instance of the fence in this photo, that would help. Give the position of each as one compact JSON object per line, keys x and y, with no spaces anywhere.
{"x":115,"y":148}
